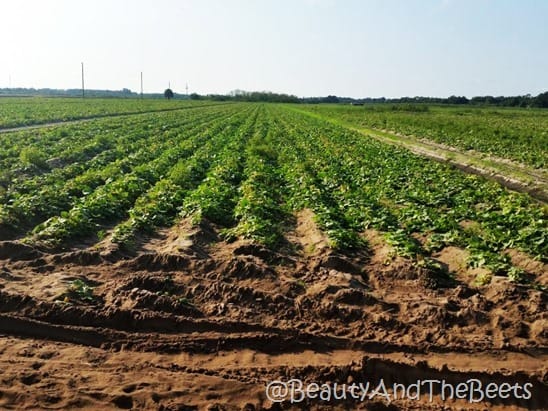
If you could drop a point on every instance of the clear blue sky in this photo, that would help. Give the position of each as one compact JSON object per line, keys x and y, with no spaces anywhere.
{"x":304,"y":47}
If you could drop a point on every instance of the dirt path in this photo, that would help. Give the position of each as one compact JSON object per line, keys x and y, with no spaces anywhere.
{"x":512,"y":175}
{"x":187,"y":321}
{"x":95,"y":117}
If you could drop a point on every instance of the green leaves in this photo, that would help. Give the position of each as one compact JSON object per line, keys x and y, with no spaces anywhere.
{"x":246,"y":168}
{"x":78,"y":291}
{"x":354,"y":183}
{"x":106,"y":193}
{"x":32,"y":156}
{"x":509,"y":133}
{"x":258,"y":212}
{"x":186,"y":184}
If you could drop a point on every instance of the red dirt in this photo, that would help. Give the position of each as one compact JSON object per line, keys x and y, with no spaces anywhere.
{"x":187,"y":321}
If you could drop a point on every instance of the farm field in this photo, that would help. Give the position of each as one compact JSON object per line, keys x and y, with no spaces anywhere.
{"x":29,"y":111}
{"x":183,"y":258}
{"x":520,"y":135}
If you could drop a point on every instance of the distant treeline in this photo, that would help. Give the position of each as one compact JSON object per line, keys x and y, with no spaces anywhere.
{"x":238,"y":95}
{"x":516,"y":101}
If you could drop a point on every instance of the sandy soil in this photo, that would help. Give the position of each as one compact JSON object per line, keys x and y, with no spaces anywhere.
{"x":187,"y":321}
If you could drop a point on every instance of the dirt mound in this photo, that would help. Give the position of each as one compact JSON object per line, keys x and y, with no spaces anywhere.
{"x":187,"y":237}
{"x":187,"y":321}
{"x":15,"y":251}
{"x":530,"y":265}
{"x":244,"y":268}
{"x":7,"y":232}
{"x":157,"y":262}
{"x":306,"y":236}
{"x":79,"y":257}
{"x":266,"y":255}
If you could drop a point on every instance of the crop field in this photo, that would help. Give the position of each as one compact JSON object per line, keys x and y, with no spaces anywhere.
{"x":516,"y":134}
{"x":181,"y":253}
{"x":28,"y":111}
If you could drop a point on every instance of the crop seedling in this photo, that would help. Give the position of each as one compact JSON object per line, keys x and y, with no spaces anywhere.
{"x":77,"y":290}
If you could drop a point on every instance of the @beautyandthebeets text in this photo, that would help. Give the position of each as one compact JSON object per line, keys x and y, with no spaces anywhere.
{"x":471,"y":390}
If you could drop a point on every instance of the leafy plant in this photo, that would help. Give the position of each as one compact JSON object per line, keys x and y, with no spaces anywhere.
{"x":32,"y":156}
{"x":78,"y":290}
{"x":483,"y":279}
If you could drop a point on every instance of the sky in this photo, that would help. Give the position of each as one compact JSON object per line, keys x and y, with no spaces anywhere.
{"x":362,"y":48}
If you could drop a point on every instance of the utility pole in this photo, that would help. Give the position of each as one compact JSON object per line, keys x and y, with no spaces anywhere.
{"x":186,"y":89}
{"x":141,"y":84}
{"x":83,"y":94}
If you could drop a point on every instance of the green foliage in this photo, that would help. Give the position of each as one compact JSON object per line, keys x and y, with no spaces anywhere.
{"x":413,"y":108}
{"x":483,"y":279}
{"x":403,"y":244}
{"x":16,"y":112}
{"x":32,"y":156}
{"x":516,"y":134}
{"x":245,"y":168}
{"x":258,"y":210}
{"x":159,"y":205}
{"x":352,"y":183}
{"x":78,"y":291}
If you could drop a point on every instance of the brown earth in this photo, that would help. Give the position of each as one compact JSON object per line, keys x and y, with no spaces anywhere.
{"x":187,"y":321}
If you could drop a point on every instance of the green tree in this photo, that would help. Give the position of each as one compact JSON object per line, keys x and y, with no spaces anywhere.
{"x":168,"y":94}
{"x":541,"y":100}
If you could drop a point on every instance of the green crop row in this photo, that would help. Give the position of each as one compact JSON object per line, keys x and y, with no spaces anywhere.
{"x":258,"y":211}
{"x":160,"y":204}
{"x":246,"y":168}
{"x":16,"y":112}
{"x":112,"y":200}
{"x":354,"y":183}
{"x":65,"y":150}
{"x":54,"y":192}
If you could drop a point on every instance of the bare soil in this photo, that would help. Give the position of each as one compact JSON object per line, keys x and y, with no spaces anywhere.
{"x":187,"y":321}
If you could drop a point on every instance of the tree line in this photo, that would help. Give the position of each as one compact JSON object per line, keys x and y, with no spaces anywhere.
{"x":253,"y":96}
{"x":512,"y":101}
{"x":527,"y":100}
